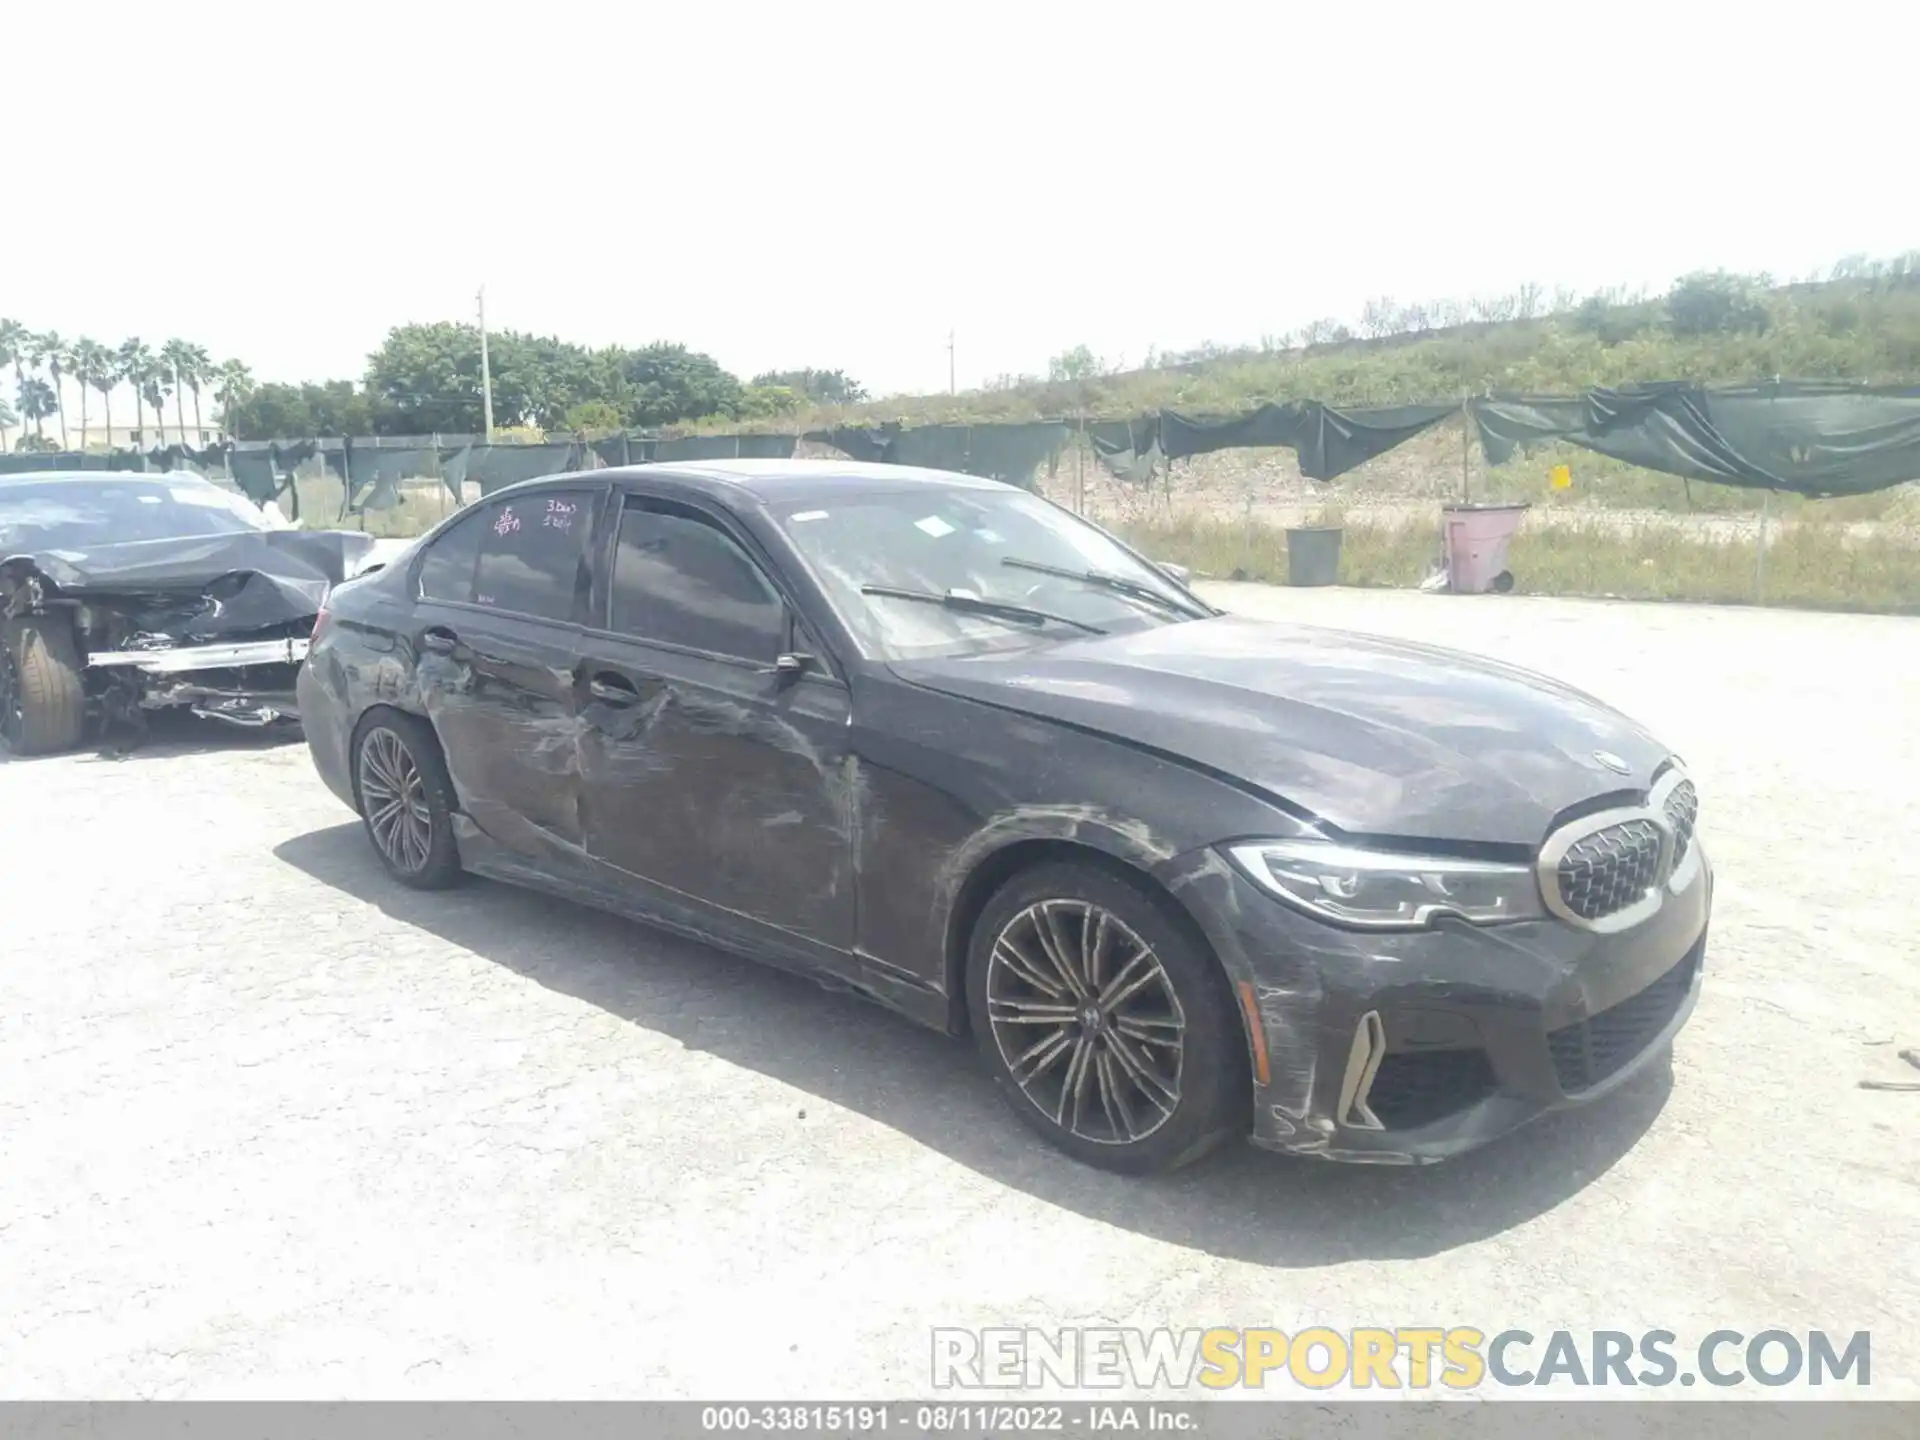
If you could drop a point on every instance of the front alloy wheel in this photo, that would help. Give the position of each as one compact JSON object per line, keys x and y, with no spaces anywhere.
{"x":1105,"y":1019}
{"x":1086,"y":1021}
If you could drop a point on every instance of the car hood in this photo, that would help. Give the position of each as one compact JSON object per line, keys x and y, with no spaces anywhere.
{"x":202,"y":587}
{"x":1371,"y":736}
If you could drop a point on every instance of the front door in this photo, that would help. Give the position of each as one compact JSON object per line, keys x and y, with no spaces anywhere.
{"x":703,"y":770}
{"x":497,"y":636}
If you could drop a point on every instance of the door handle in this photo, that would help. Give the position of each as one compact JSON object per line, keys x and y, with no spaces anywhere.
{"x":612,"y":690}
{"x":439,"y":640}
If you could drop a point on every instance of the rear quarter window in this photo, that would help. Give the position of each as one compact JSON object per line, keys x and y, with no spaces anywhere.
{"x":531,"y":549}
{"x":446,"y":570}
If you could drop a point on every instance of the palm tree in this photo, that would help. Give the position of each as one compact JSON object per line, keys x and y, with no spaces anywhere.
{"x":196,"y":372}
{"x":93,"y":368}
{"x":106,"y":376}
{"x":135,"y":361}
{"x":233,"y":382}
{"x":157,"y":383}
{"x":13,"y":349}
{"x":48,"y":350}
{"x":7,"y":421}
{"x":36,"y":404}
{"x":184,"y":364}
{"x":45,"y":352}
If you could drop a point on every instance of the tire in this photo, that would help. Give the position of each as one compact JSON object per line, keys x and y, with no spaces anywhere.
{"x":1114,"y":1116}
{"x":43,"y":702}
{"x":396,"y":756}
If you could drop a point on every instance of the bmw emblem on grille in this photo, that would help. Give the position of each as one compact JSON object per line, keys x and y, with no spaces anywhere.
{"x":1611,"y":761}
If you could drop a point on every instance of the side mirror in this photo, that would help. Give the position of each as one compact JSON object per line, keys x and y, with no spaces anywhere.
{"x":790,"y":666}
{"x":1179,"y":574}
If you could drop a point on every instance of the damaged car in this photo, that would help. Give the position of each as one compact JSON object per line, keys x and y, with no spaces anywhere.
{"x":121,"y":594}
{"x":1181,"y":876}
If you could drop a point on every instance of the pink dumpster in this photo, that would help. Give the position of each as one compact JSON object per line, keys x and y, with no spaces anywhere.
{"x":1477,"y":537}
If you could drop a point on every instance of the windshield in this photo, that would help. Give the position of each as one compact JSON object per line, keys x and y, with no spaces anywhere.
{"x":982,"y":545}
{"x":81,"y":514}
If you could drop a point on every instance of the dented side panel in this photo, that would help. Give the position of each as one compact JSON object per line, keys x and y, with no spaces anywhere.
{"x":722,"y":782}
{"x":502,"y":702}
{"x":950,"y":784}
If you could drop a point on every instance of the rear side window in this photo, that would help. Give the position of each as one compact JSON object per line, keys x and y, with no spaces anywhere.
{"x":522,"y":555}
{"x":681,"y":580}
{"x":446,"y":571}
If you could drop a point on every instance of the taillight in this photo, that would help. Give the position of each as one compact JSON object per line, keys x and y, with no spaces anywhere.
{"x":319,"y":624}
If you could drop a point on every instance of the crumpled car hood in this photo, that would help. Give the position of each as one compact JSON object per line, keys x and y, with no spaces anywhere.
{"x":253,"y":581}
{"x":1371,"y":736}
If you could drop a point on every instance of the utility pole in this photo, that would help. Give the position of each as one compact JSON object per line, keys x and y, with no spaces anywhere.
{"x":951,"y":390}
{"x":486,"y":374}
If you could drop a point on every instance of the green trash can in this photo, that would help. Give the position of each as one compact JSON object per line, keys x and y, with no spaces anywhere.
{"x":1313,"y":555}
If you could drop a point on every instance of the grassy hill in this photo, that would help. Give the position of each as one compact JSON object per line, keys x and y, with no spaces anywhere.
{"x":1709,"y":328}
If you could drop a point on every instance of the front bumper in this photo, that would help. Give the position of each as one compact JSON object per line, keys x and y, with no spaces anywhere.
{"x":1412,"y":1048}
{"x":186,"y":659}
{"x":249,"y":683}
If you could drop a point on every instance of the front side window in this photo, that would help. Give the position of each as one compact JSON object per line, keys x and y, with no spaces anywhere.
{"x":682,"y":580}
{"x":1001,"y":547}
{"x":523,"y":556}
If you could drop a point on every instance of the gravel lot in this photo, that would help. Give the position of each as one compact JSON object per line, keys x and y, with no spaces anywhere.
{"x":272,"y":1126}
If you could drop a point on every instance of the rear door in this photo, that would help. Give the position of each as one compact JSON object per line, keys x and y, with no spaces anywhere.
{"x":497,"y":635}
{"x":706,"y":772}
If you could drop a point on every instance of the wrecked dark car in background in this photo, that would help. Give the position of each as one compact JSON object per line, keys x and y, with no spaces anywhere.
{"x":122,"y":594}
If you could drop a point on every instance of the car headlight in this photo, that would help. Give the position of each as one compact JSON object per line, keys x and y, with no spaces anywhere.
{"x":1377,"y":890}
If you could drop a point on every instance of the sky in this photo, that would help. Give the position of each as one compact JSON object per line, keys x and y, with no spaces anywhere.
{"x":842,"y":185}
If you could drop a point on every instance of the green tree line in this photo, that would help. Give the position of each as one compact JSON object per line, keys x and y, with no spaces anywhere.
{"x":424,"y":379}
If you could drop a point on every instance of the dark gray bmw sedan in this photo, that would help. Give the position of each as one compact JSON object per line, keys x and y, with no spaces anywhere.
{"x":1181,"y":876}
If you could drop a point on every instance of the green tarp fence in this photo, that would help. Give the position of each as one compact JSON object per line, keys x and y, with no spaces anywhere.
{"x":254,"y":475}
{"x":493,"y":466}
{"x":1328,"y":441}
{"x":172,"y":457}
{"x":1130,"y":449}
{"x":622,"y":450}
{"x":722,"y":447}
{"x":995,"y":452}
{"x":1809,"y":438}
{"x":374,"y":475}
{"x":648,"y":450}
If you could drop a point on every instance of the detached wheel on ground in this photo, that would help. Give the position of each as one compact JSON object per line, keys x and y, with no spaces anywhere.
{"x":1106,"y":1025}
{"x":43,"y":703}
{"x":406,"y":799}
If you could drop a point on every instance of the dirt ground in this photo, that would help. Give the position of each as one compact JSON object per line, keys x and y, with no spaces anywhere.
{"x":272,"y":1126}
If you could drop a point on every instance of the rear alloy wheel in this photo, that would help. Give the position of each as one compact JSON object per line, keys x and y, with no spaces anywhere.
{"x":406,"y":801}
{"x":1105,"y":1024}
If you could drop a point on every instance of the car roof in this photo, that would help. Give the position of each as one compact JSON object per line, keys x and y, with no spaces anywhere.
{"x":779,"y":481}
